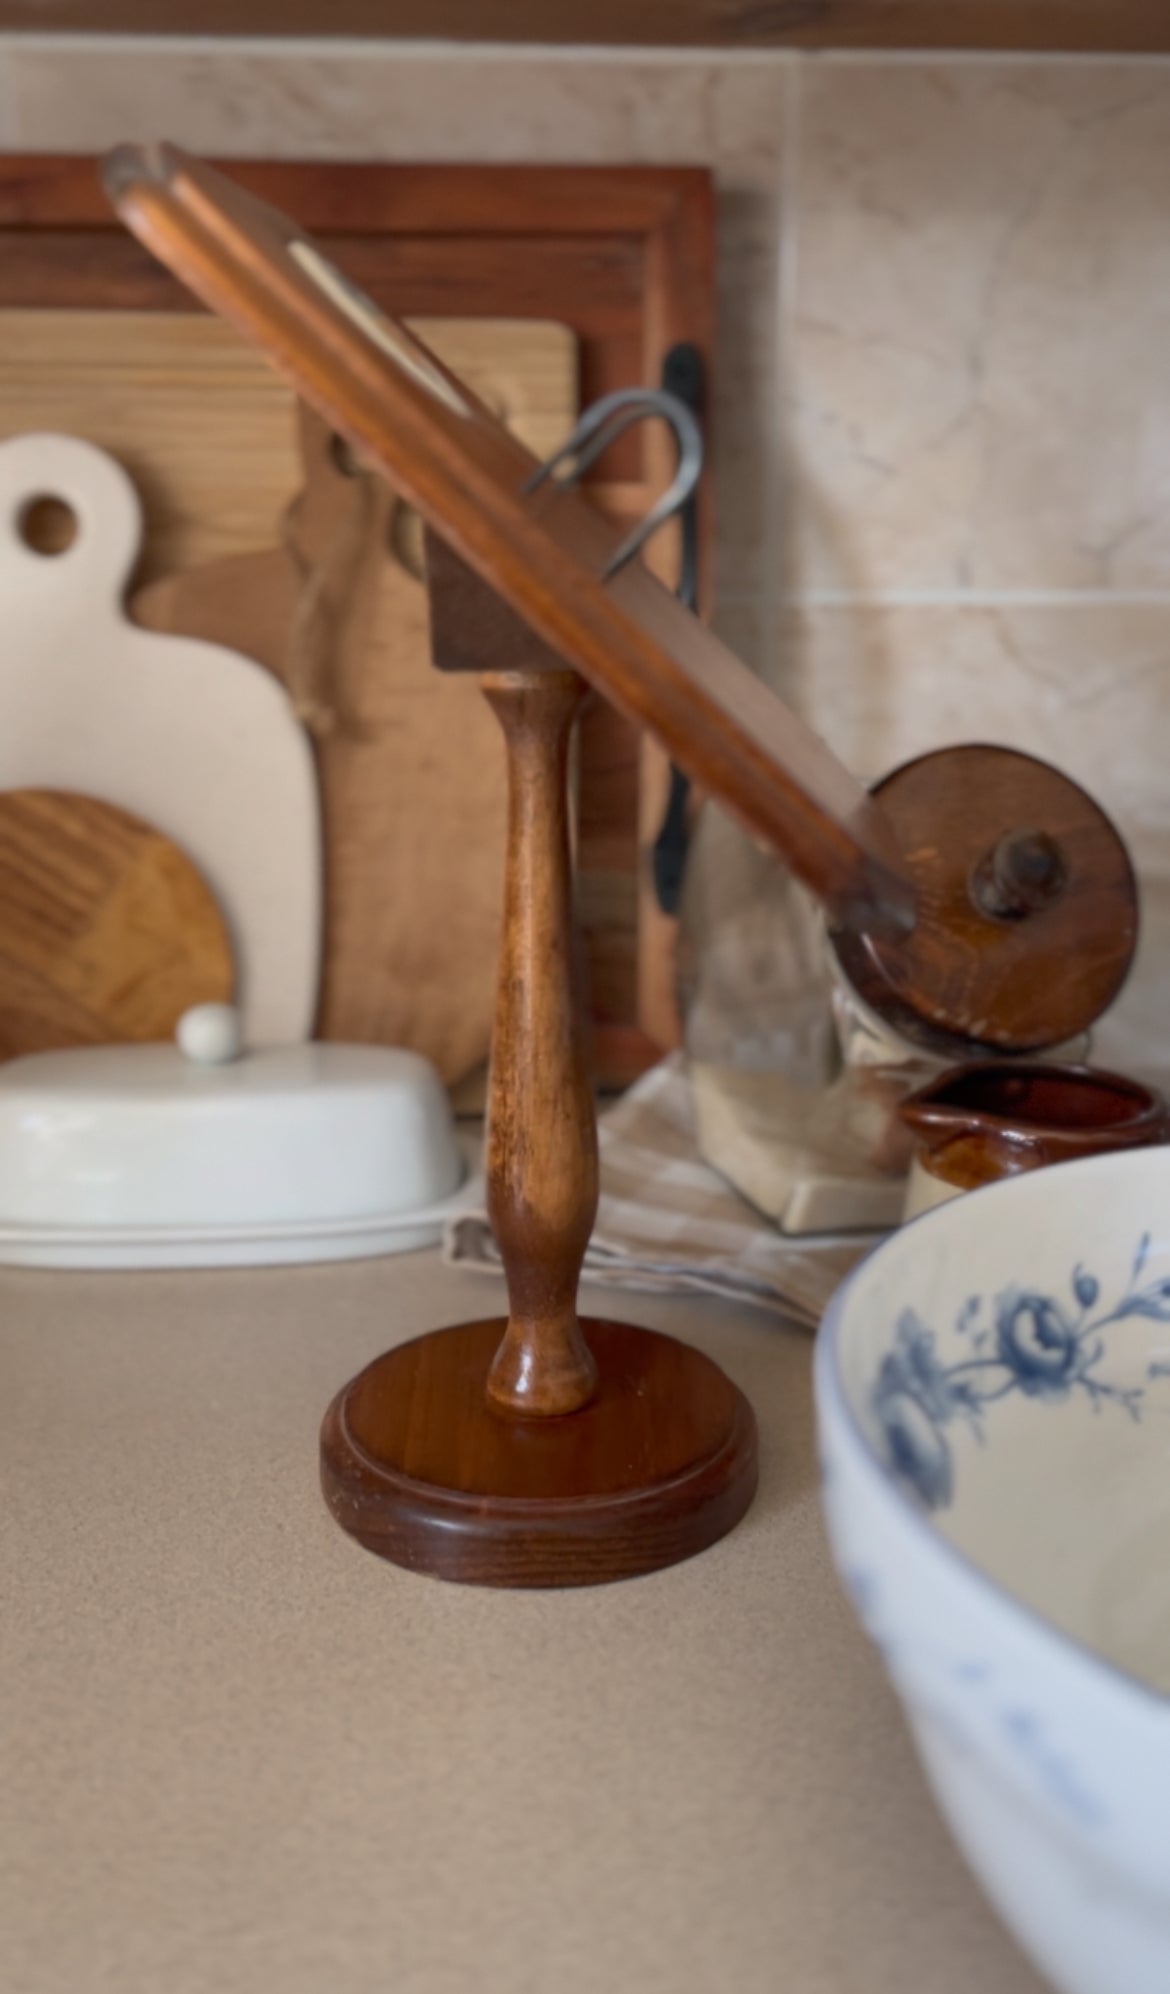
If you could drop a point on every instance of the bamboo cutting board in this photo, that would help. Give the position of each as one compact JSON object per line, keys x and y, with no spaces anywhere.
{"x":107,"y":931}
{"x":202,"y":427}
{"x":206,"y":429}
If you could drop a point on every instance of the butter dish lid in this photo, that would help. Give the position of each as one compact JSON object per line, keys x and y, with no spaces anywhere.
{"x":296,"y":1140}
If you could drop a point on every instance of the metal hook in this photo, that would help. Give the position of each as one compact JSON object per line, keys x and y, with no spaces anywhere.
{"x":600,"y":426}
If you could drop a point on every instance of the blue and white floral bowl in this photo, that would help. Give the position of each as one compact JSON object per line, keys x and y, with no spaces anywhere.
{"x":993,"y":1399}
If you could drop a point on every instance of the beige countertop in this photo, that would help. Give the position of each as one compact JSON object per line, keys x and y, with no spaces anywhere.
{"x":243,"y":1755}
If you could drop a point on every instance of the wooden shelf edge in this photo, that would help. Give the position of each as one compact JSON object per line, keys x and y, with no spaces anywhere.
{"x":1102,"y":27}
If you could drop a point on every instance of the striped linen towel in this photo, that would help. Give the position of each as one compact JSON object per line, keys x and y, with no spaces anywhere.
{"x":667,"y":1221}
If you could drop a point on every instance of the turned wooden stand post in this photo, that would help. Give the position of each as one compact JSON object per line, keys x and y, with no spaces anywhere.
{"x":540,"y":1449}
{"x":542,"y":1138}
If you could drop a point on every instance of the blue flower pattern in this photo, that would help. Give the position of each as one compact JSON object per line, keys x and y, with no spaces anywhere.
{"x":1022,"y":1341}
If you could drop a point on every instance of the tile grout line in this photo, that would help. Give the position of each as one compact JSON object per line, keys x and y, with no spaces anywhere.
{"x":786,"y":278}
{"x":986,"y":58}
{"x":9,"y":121}
{"x":894,"y":598}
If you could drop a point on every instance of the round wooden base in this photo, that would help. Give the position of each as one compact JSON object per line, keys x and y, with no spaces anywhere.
{"x":418,"y":1466}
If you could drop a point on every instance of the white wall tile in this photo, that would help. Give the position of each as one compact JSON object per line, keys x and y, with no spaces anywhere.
{"x":980,"y":392}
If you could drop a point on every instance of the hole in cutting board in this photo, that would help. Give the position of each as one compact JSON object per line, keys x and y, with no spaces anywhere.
{"x":48,"y":525}
{"x":344,"y":456}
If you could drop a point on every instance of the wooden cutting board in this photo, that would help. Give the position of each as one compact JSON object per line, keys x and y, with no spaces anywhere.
{"x":194,"y":738}
{"x":107,"y":931}
{"x":410,"y":760}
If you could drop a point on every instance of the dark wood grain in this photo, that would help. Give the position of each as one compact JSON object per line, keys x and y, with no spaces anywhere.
{"x":542,"y":1143}
{"x":458,"y":276}
{"x":658,"y":1466}
{"x":542,"y":1169}
{"x":1041,"y":970}
{"x":1133,"y":26}
{"x":537,"y":1449}
{"x":363,"y":197}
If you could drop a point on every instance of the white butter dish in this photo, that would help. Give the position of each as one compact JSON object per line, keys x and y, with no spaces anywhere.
{"x":135,"y":1156}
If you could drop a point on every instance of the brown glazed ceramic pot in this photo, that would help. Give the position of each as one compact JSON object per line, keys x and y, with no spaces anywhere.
{"x":974,"y":1124}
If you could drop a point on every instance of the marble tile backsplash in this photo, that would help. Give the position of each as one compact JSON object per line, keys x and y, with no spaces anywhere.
{"x":980,"y":324}
{"x":942,"y":431}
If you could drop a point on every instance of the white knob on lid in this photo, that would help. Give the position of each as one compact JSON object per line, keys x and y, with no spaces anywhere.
{"x":210,"y":1034}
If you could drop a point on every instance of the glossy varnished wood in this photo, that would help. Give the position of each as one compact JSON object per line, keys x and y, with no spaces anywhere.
{"x":542,"y":1140}
{"x":419,"y":1464}
{"x":535,"y":1449}
{"x":977,"y":1123}
{"x":1027,"y":905}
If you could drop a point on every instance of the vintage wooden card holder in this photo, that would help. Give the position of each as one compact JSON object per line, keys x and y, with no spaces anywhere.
{"x":982,"y":899}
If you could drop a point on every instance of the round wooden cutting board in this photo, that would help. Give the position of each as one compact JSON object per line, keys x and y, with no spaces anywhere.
{"x":107,"y":931}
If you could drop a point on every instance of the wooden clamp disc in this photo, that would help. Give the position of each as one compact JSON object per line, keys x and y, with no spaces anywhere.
{"x":1027,"y":905}
{"x":659,"y":1465}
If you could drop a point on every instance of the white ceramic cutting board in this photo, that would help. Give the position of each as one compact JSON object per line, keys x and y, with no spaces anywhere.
{"x":194,"y":738}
